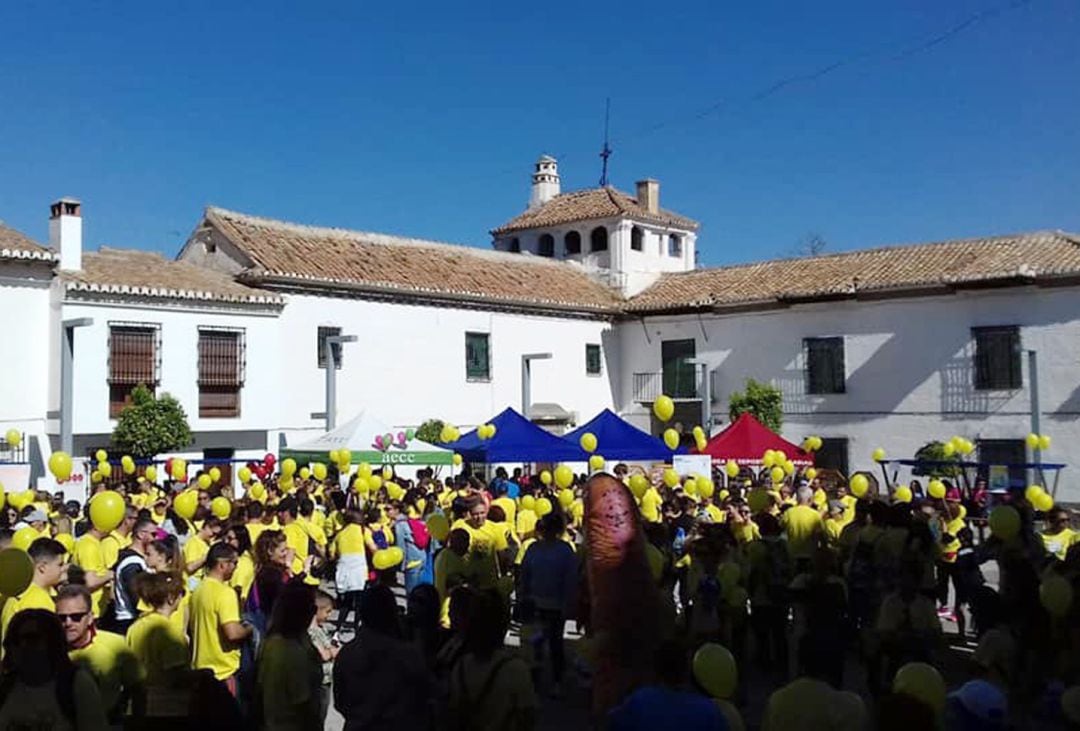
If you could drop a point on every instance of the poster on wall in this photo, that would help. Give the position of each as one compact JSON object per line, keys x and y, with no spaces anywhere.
{"x":74,"y":487}
{"x":999,"y":478}
{"x":692,"y":464}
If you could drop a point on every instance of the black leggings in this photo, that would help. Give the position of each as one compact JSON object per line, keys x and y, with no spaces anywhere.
{"x":554,"y":623}
{"x":350,"y":601}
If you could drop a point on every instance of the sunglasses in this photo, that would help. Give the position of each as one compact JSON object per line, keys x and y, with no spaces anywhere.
{"x":72,"y":617}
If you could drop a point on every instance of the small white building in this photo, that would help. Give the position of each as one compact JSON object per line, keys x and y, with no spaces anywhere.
{"x":590,"y":299}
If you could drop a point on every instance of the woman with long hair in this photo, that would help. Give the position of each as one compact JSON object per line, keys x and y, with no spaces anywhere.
{"x":40,"y":687}
{"x":273,"y":557}
{"x":237,"y":536}
{"x":289,"y":669}
{"x":165,"y":556}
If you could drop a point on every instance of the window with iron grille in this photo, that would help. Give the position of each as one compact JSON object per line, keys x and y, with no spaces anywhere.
{"x":833,"y":455}
{"x":221,"y":372}
{"x":592,"y":359}
{"x":997,"y":358}
{"x":477,"y":357}
{"x":324,"y":333}
{"x":134,"y":358}
{"x":824,"y":365}
{"x":547,"y":245}
{"x":637,"y":238}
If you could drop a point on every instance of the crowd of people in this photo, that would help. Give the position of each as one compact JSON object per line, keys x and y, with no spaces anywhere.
{"x":205,"y":608}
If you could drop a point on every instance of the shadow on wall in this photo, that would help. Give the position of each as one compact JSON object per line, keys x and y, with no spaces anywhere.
{"x":609,"y":349}
{"x":960,"y":400}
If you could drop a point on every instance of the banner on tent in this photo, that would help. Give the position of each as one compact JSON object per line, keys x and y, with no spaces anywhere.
{"x":692,"y":464}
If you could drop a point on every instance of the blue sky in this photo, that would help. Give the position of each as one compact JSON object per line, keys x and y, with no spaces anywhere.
{"x":424,"y":119}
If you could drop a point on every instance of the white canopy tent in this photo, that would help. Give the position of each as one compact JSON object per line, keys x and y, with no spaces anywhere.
{"x":358,"y":436}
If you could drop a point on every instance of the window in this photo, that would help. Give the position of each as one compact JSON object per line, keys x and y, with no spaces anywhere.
{"x":324,"y":333}
{"x":674,"y":245}
{"x":1003,"y":452}
{"x":221,"y":372}
{"x":637,"y":238}
{"x":824,"y":365}
{"x":572,"y":243}
{"x":547,"y":245}
{"x":598,"y":239}
{"x":134,"y":358}
{"x":997,"y":358}
{"x":477,"y":357}
{"x":833,"y":455}
{"x":679,"y":375}
{"x":515,"y":245}
{"x":592,"y":360}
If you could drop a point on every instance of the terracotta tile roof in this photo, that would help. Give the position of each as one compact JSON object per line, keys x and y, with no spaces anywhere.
{"x":1038,"y":256}
{"x":587,"y":205}
{"x":149,"y":274}
{"x":17,"y":245}
{"x":287,"y":253}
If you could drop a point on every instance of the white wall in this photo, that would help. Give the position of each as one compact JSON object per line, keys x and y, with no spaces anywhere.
{"x":25,"y":322}
{"x":909,"y":368}
{"x":409,"y":363}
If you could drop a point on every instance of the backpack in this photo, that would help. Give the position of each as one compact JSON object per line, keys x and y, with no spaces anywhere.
{"x":420,"y":534}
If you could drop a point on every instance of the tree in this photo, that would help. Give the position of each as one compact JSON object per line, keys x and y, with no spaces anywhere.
{"x":935,"y":452}
{"x":762,"y":400}
{"x":430,"y":431}
{"x":150,"y":426}
{"x":811,"y":244}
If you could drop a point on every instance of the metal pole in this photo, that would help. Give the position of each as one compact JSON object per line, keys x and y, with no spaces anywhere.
{"x":67,"y":360}
{"x":526,"y":386}
{"x":706,"y":401}
{"x":331,"y":385}
{"x":1033,"y":377}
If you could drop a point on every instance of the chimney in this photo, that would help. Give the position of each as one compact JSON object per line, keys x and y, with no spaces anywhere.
{"x":65,"y":232}
{"x":545,"y":181}
{"x":648,"y":195}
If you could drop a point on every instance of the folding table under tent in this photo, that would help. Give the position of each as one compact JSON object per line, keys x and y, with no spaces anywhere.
{"x":358,"y":436}
{"x":516,"y":440}
{"x":746,"y":439}
{"x":618,"y":439}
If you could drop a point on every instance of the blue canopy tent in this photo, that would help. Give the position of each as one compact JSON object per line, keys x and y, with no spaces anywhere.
{"x":516,"y":440}
{"x":620,"y":440}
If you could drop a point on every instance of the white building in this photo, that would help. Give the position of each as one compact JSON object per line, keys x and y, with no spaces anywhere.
{"x":591,"y":299}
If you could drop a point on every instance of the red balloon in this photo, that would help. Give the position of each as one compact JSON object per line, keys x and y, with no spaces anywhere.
{"x":168,"y":468}
{"x":269,"y":460}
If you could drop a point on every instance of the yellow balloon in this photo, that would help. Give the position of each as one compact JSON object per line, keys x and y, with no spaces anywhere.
{"x":817,"y":443}
{"x":1032,"y":440}
{"x":363,"y":469}
{"x":305,"y":473}
{"x":701,"y":444}
{"x":179,"y":469}
{"x":543,"y":507}
{"x":638,"y":485}
{"x":375,"y":481}
{"x":107,"y":511}
{"x":67,"y":541}
{"x":788,"y":467}
{"x":758,"y":499}
{"x":1056,"y":595}
{"x":95,"y":477}
{"x":220,"y":507}
{"x":387,"y":473}
{"x":664,"y":408}
{"x":879,"y":455}
{"x":690,"y":486}
{"x":859,"y":485}
{"x":948,"y":449}
{"x":457,"y":460}
{"x":319,"y":470}
{"x":438,"y":526}
{"x":244,"y":474}
{"x":60,"y":465}
{"x":333,"y":455}
{"x":101,"y":455}
{"x":186,"y":503}
{"x":288,"y":467}
{"x":731,"y":468}
{"x":923,"y":682}
{"x":564,"y":476}
{"x":24,"y":537}
{"x":105,"y":469}
{"x":545,"y":477}
{"x":286,"y":484}
{"x":811,"y":474}
{"x":127,"y":464}
{"x":394,"y":490}
{"x":1004,"y":522}
{"x":671,"y":477}
{"x":1031,"y":494}
{"x":528,"y":502}
{"x":588,"y":442}
{"x":257,"y":491}
{"x":936,"y":489}
{"x":387,"y":558}
{"x":13,"y":437}
{"x":705,"y":487}
{"x":16,"y":572}
{"x":1044,"y":503}
{"x":344,"y":458}
{"x":566,"y":498}
{"x":671,"y":438}
{"x":768,"y":459}
{"x":596,"y":463}
{"x":698,"y":433}
{"x":715,"y":670}
{"x":215,"y":474}
{"x":1044,"y":442}
{"x":204,"y":481}
{"x":151,"y":473}
{"x":362,"y":485}
{"x":777,"y":474}
{"x":902,"y":494}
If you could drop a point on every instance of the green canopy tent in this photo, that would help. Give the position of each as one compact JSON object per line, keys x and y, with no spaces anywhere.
{"x":358,"y":436}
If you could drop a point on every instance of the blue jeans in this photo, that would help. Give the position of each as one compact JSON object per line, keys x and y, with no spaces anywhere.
{"x":413,"y":578}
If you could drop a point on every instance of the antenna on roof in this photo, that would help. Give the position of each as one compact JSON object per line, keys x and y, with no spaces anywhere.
{"x":606,"y":152}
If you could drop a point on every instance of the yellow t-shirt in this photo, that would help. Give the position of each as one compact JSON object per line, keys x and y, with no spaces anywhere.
{"x":509,"y":507}
{"x":111,"y":545}
{"x":313,"y":530}
{"x":1059,"y":543}
{"x":350,"y":540}
{"x":715,"y":513}
{"x":88,"y":557}
{"x":526,"y":522}
{"x":255,"y":529}
{"x":801,"y":523}
{"x":746,"y":532}
{"x":297,"y":539}
{"x":195,"y":549}
{"x":244,"y":575}
{"x":158,"y":646}
{"x":485,"y":539}
{"x":213,"y":605}
{"x":808,"y":703}
{"x":650,"y":505}
{"x":34,"y":597}
{"x":450,"y":570}
{"x":112,"y":664}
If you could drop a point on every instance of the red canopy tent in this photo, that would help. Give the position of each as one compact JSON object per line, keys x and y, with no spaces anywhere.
{"x":746,"y":439}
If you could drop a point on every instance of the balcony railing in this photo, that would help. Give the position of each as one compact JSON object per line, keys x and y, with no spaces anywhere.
{"x":677,"y":384}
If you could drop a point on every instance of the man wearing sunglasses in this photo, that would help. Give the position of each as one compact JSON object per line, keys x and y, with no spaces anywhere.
{"x":106,"y":656}
{"x":1058,"y":536}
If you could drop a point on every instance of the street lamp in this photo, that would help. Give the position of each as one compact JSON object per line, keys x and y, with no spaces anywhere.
{"x":526,"y":379}
{"x":67,"y":371}
{"x":331,"y":376}
{"x":704,"y":391}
